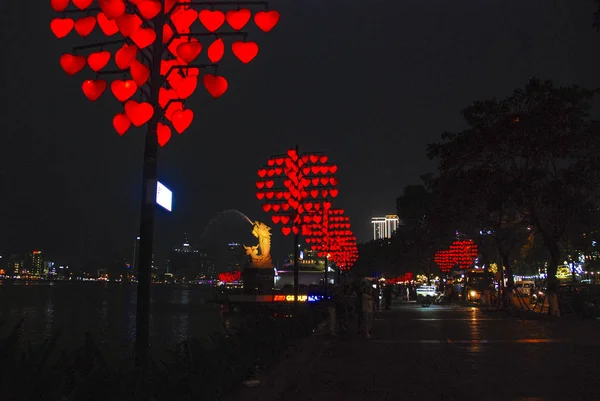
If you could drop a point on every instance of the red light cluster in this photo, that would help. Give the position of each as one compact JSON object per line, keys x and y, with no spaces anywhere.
{"x":400,"y":279}
{"x":230,"y":277}
{"x":293,"y":186}
{"x":137,"y":21}
{"x":462,"y":253}
{"x":298,"y":190}
{"x":330,"y":235}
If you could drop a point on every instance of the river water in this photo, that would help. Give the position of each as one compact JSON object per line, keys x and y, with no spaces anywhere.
{"x":107,"y":310}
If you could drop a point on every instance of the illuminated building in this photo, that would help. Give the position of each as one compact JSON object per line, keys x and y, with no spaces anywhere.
{"x":48,"y":268}
{"x":37,"y":263}
{"x":15,"y":265}
{"x":384,"y":227}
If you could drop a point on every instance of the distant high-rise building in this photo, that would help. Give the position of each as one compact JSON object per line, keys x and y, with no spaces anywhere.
{"x":185,"y":261}
{"x":136,"y":256}
{"x":48,"y":267}
{"x":37,"y":263}
{"x":16,"y":265}
{"x":384,"y":227}
{"x":238,"y":258}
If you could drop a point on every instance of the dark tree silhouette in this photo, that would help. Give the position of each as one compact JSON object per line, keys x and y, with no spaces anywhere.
{"x":533,"y":158}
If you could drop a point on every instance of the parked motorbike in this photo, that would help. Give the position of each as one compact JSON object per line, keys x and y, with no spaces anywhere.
{"x":440,"y":299}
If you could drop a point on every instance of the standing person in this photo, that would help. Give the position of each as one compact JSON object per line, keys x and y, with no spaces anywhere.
{"x":358,"y":309}
{"x":367,"y":310}
{"x":349,"y":306}
{"x":387,"y":296}
{"x":332,"y":309}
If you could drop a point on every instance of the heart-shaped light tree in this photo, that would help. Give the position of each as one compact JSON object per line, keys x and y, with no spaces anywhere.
{"x":292,"y":186}
{"x":181,"y":29}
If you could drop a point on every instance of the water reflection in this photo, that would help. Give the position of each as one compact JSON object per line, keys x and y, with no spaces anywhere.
{"x":49,"y":317}
{"x":107,"y":310}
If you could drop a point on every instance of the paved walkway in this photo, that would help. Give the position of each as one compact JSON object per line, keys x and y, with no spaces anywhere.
{"x":444,"y":353}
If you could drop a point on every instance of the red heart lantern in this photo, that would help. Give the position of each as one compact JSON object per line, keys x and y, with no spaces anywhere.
{"x":245,"y":51}
{"x":186,"y":87}
{"x":149,"y":8}
{"x":237,"y":19}
{"x":173,"y":108}
{"x":188,"y":51}
{"x":169,"y":5}
{"x":143,"y":37}
{"x":72,"y":64}
{"x":112,"y":8}
{"x":166,"y":65}
{"x":125,"y":55}
{"x":61,"y":27}
{"x":164,"y":95}
{"x":323,"y":159}
{"x":333,"y":193}
{"x":184,"y":20}
{"x":212,"y":20}
{"x":167,"y":33}
{"x":174,"y":44}
{"x":276,"y":219}
{"x":123,"y":90}
{"x":109,"y":27}
{"x":128,"y":24}
{"x":215,"y":85}
{"x":216,"y":51}
{"x":266,"y":20}
{"x":260,"y":195}
{"x":84,"y":26}
{"x":163,"y":134}
{"x":174,"y":78}
{"x":286,"y":230}
{"x":98,"y":60}
{"x":139,"y":72}
{"x":93,"y":89}
{"x":285,"y":219}
{"x":121,"y":123}
{"x":181,"y":120}
{"x":59,"y":5}
{"x":295,"y":230}
{"x":139,"y":113}
{"x":266,"y":207}
{"x":82,"y":4}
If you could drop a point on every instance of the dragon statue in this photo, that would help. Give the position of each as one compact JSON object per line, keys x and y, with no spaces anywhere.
{"x":261,"y":253}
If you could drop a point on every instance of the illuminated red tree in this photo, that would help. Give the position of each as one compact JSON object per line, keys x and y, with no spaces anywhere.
{"x":177,"y":70}
{"x":462,"y":253}
{"x":333,"y":237}
{"x":156,"y":57}
{"x":291,"y":187}
{"x":320,"y":231}
{"x":443,"y":259}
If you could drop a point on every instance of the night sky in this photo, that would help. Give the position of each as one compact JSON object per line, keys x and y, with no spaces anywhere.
{"x":368,"y":82}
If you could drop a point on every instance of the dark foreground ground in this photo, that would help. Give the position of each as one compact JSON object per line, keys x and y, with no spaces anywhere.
{"x":443,"y":353}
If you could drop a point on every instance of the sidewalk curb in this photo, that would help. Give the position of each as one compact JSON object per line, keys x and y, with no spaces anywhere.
{"x":275,"y":381}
